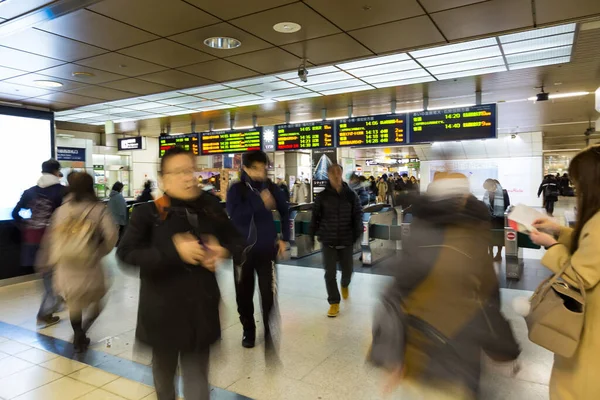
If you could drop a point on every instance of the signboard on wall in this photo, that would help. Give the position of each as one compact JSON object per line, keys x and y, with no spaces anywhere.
{"x":233,"y":141}
{"x":375,"y":130}
{"x":132,"y":143}
{"x":322,"y":160}
{"x":70,"y":154}
{"x":188,"y":142}
{"x":308,"y":135}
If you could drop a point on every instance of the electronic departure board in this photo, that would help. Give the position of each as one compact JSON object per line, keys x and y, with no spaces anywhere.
{"x":234,"y":141}
{"x":476,"y":122}
{"x":308,"y":135}
{"x":376,"y":130}
{"x":188,"y":142}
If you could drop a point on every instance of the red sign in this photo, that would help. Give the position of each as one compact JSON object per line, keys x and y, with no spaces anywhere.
{"x":511,"y":236}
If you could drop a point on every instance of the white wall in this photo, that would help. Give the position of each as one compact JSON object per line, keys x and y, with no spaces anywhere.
{"x":145,"y":165}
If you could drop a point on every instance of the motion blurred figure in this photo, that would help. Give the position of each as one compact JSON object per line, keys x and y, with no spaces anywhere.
{"x":382,"y":188}
{"x":337,"y":222}
{"x":282,"y":184}
{"x":495,"y":199}
{"x":549,"y":188}
{"x":299,"y":192}
{"x":42,"y":199}
{"x":118,"y":207}
{"x":443,"y":308}
{"x":146,"y":194}
{"x":80,"y":234}
{"x":177,"y":243}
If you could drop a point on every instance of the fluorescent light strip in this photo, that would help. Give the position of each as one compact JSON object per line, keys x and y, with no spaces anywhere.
{"x":398,"y":76}
{"x":254,"y":103}
{"x":472,"y":72}
{"x":404,"y":82}
{"x":202,"y":104}
{"x":216,"y":107}
{"x":324,"y":78}
{"x":267,"y":87}
{"x":145,"y":106}
{"x":311,"y":71}
{"x":87,"y":115}
{"x":562,"y":95}
{"x":336,"y":85}
{"x":385,"y":68}
{"x":539,"y":63}
{"x":452,"y":48}
{"x":252,"y":81}
{"x":347,"y":90}
{"x":467,"y":55}
{"x":125,"y":102}
{"x":449,"y":107}
{"x":373,"y":61}
{"x":204,"y":89}
{"x":286,"y":92}
{"x":467,"y":65}
{"x":180,"y":112}
{"x":161,"y":96}
{"x":222,"y":94}
{"x":553,"y":30}
{"x":298,"y":96}
{"x":168,"y":109}
{"x":539,"y":54}
{"x":537,"y":44}
{"x":242,"y":99}
{"x":410,"y":111}
{"x":179,"y":100}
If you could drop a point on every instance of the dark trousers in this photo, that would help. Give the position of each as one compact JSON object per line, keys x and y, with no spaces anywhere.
{"x":264,"y":266}
{"x":194,"y":371}
{"x":549,"y":206}
{"x":331,"y":256}
{"x":50,"y":302}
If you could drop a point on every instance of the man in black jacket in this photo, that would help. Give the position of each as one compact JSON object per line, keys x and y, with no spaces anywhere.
{"x":177,"y":242}
{"x":337,"y":221}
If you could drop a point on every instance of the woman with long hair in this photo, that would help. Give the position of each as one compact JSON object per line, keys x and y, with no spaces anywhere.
{"x":576,"y":378}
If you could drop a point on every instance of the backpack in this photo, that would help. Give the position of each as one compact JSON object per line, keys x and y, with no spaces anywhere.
{"x":74,"y":239}
{"x":551,"y":190}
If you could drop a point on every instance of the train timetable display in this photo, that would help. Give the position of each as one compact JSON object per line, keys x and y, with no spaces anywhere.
{"x":376,"y":130}
{"x":476,"y":122}
{"x":308,"y":135}
{"x":234,"y":141}
{"x":188,"y":142}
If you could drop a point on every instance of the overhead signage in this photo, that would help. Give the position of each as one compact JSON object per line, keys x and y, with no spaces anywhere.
{"x":132,"y":143}
{"x":234,"y":141}
{"x":188,"y":142}
{"x":476,"y":122}
{"x":376,"y":130}
{"x":70,"y":154}
{"x":307,"y":135}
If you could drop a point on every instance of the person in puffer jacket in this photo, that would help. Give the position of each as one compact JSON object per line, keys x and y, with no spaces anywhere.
{"x":443,"y":309}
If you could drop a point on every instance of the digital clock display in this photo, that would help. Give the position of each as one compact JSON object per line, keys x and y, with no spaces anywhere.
{"x":188,"y":142}
{"x":234,"y":141}
{"x":309,"y":135}
{"x":476,"y":122}
{"x":376,"y":130}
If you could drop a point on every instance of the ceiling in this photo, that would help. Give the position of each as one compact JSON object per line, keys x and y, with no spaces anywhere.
{"x":137,"y":48}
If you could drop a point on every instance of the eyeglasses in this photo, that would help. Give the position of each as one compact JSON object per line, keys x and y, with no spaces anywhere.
{"x":181,"y":173}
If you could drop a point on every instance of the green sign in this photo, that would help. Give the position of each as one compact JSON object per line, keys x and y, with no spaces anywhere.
{"x":98,"y":167}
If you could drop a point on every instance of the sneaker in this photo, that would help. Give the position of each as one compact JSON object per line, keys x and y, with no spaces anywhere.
{"x":345,"y":292}
{"x":45,"y":322}
{"x":334,"y":310}
{"x":249,"y":339}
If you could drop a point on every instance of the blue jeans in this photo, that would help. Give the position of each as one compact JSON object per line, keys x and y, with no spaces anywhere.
{"x":50,"y":302}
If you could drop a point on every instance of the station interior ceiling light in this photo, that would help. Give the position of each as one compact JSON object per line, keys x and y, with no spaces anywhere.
{"x":516,"y":51}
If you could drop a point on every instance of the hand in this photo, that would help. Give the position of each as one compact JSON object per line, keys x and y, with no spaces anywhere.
{"x":282,"y":248}
{"x":393,"y":380}
{"x":547,"y":225}
{"x":214,"y":252}
{"x":188,"y":248}
{"x":542,"y":239}
{"x":268,"y":199}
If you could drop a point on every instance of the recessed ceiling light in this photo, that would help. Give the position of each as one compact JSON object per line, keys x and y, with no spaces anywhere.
{"x":222,"y":43}
{"x":82,"y":74}
{"x":48,"y":84}
{"x":287,"y":27}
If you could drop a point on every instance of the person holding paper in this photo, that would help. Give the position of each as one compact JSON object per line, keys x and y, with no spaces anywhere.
{"x":575,"y":378}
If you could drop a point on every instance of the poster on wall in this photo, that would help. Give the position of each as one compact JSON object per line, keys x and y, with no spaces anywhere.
{"x":321,"y":161}
{"x":475,"y":171}
{"x":70,"y":154}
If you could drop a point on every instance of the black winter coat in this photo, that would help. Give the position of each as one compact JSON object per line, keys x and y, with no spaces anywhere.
{"x":336,"y":217}
{"x":179,"y":303}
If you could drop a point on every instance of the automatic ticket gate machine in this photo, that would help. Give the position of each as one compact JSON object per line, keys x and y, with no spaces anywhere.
{"x":300,"y":241}
{"x":379,"y":233}
{"x":514,"y":243}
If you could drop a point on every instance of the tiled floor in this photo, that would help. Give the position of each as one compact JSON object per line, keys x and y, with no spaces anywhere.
{"x":321,"y":358}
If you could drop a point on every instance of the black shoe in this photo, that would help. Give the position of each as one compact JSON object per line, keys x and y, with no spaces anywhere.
{"x":81,"y":343}
{"x":45,"y":322}
{"x":249,"y":339}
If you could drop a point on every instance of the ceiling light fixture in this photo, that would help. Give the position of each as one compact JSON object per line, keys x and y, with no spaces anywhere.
{"x":222,"y":43}
{"x":287,"y":27}
{"x":82,"y":74}
{"x":48,"y":84}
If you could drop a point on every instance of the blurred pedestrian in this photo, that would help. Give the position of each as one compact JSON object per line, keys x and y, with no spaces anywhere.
{"x":443,"y":309}
{"x":282,"y":184}
{"x":146,"y":194}
{"x":41,"y":200}
{"x":549,"y":188}
{"x":80,"y":234}
{"x":359,"y":188}
{"x":177,"y":243}
{"x":494,"y":199}
{"x":118,"y":207}
{"x":337,"y":222}
{"x":382,"y":189}
{"x":578,"y":250}
{"x":299,"y":192}
{"x":250,"y":205}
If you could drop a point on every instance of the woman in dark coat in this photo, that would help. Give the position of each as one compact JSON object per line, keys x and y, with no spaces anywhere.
{"x":176,"y":242}
{"x":146,"y":193}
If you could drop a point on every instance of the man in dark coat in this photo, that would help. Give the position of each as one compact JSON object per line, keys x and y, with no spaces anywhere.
{"x":41,"y":199}
{"x":177,"y":242}
{"x":337,"y":222}
{"x":549,"y":188}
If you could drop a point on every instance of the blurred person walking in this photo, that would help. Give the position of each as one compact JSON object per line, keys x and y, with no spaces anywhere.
{"x":495,"y":199}
{"x":177,"y":242}
{"x":250,"y":204}
{"x":41,"y":200}
{"x":80,"y":234}
{"x":337,"y":222}
{"x":282,"y":184}
{"x":118,"y":207}
{"x":443,"y":309}
{"x":578,"y":250}
{"x":299,"y":192}
{"x":549,"y":188}
{"x":359,"y":188}
{"x":382,"y":188}
{"x":146,"y":194}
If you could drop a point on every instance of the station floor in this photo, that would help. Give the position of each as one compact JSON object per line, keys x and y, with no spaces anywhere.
{"x":321,"y":358}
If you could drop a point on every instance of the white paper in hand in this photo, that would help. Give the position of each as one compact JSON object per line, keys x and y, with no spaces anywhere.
{"x":522,"y":217}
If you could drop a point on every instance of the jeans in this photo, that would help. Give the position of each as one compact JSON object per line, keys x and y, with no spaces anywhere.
{"x":194,"y":372}
{"x":50,"y":302}
{"x":331,"y":256}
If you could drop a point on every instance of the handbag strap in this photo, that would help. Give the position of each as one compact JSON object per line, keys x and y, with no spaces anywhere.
{"x":547,"y":284}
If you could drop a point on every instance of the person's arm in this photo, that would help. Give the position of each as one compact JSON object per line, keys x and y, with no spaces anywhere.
{"x":21,"y":205}
{"x":136,"y":246}
{"x":109,"y":232}
{"x":284,"y":212}
{"x":315,"y":220}
{"x":356,"y":218}
{"x":242,"y":209}
{"x":540,"y":189}
{"x":227,"y":234}
{"x":584,"y":261}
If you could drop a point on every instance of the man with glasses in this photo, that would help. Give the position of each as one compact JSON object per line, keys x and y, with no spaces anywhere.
{"x":250,"y":203}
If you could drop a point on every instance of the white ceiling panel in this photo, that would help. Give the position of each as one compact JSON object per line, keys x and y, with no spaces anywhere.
{"x":403,"y":82}
{"x":297,"y":96}
{"x":204,"y":89}
{"x":222,"y":94}
{"x":540,"y":43}
{"x":466,"y":55}
{"x":125,"y":102}
{"x":267,"y":87}
{"x":286,"y":92}
{"x":347,"y":90}
{"x":145,"y":106}
{"x":202,"y":104}
{"x":539,"y":63}
{"x":252,"y":103}
{"x":242,"y":99}
{"x":385,"y":68}
{"x":373,"y":61}
{"x":331,"y":77}
{"x":452,"y":48}
{"x":161,"y":96}
{"x":398,"y":76}
{"x":252,"y":81}
{"x":467,"y":65}
{"x":472,"y":72}
{"x":537,"y":33}
{"x":564,"y":51}
{"x":311,"y":72}
{"x":179,"y":100}
{"x":336,"y":85}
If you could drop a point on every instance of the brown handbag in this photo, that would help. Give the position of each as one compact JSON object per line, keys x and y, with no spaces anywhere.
{"x":557,"y":314}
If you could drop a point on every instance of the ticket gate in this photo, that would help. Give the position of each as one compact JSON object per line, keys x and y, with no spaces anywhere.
{"x":514,"y":243}
{"x":300,"y":241}
{"x":380,"y":233}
